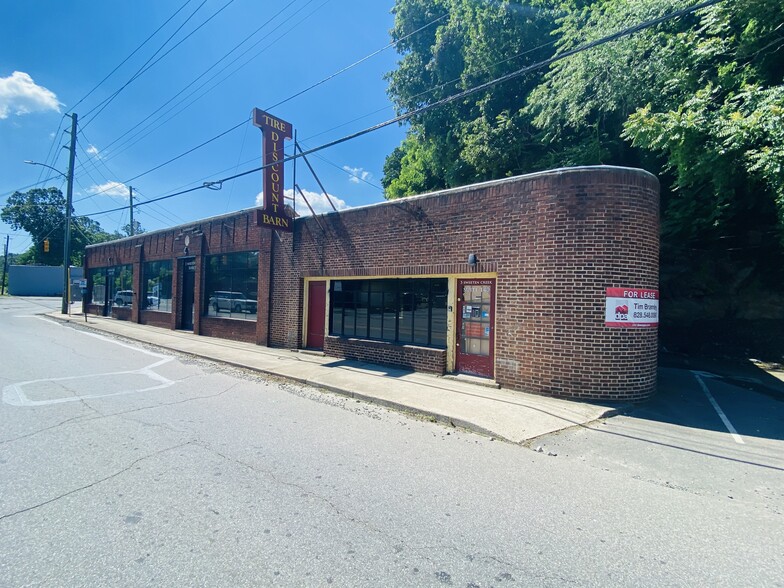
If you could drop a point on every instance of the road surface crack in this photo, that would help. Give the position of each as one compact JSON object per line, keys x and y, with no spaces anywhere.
{"x":304,"y":490}
{"x":95,"y":483}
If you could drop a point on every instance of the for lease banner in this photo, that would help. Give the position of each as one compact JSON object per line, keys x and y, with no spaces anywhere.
{"x":631,"y":307}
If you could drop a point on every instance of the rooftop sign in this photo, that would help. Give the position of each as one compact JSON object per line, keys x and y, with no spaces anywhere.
{"x":273,"y":131}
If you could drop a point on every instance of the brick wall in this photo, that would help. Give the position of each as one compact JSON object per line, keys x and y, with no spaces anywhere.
{"x":554,"y":241}
{"x":421,"y":359}
{"x":155,"y":318}
{"x":226,"y":328}
{"x":230,"y":233}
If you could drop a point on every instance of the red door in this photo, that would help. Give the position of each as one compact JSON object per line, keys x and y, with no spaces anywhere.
{"x":317,"y":312}
{"x":475,"y":327}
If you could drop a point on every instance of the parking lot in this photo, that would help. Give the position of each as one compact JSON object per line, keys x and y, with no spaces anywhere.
{"x":708,"y":433}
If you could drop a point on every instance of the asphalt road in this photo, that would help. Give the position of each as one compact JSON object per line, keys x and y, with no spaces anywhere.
{"x":129,"y":466}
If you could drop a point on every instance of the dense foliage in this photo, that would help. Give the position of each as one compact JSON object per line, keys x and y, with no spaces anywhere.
{"x":697,"y":100}
{"x":41,"y":212}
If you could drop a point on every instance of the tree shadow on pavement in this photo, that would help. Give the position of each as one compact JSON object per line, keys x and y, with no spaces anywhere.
{"x":709,"y":394}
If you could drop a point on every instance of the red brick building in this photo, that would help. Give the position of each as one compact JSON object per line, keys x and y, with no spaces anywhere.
{"x":511,"y":280}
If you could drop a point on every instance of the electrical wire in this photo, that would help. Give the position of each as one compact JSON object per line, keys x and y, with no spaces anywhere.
{"x":343,"y":169}
{"x":430,"y":90}
{"x":405,"y":116}
{"x":358,"y":62}
{"x":181,"y":155}
{"x":138,"y":72}
{"x":108,"y":181}
{"x":315,"y":85}
{"x":148,"y":65}
{"x":138,"y":128}
{"x":124,"y":61}
{"x":54,"y":142}
{"x":168,"y":215}
{"x":217,"y":84}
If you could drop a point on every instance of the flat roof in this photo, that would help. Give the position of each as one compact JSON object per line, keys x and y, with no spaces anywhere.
{"x":437,"y":193}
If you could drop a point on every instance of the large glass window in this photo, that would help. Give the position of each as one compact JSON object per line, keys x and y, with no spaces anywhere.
{"x":231,"y":285}
{"x":403,"y":311}
{"x":98,"y":285}
{"x":120,"y":280}
{"x":157,"y":286}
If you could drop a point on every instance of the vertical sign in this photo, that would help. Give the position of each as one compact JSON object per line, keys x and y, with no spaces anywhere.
{"x":273,"y":132}
{"x":631,"y":307}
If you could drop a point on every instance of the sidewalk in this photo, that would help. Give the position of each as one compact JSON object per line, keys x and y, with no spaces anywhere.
{"x":513,"y":416}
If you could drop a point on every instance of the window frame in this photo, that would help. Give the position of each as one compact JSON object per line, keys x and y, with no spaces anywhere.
{"x":148,"y":274}
{"x":407,"y":298}
{"x":231,"y":273}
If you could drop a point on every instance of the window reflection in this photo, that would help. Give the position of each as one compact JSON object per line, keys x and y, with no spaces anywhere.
{"x":231,"y":285}
{"x":157,"y":286}
{"x":411,"y":311}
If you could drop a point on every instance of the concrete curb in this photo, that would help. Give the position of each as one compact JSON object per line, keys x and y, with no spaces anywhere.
{"x":473,"y":407}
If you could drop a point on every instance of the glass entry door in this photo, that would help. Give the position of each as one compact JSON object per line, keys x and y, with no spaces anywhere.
{"x":188,"y":293}
{"x":475,"y":327}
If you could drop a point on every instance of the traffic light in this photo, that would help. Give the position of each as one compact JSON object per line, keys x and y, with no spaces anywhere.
{"x":46,"y":245}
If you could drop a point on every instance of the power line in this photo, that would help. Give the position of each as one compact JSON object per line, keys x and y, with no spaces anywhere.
{"x":344,"y":170}
{"x":136,"y":128}
{"x":217,"y":84}
{"x":106,"y":101}
{"x":124,"y":61}
{"x":147,"y":66}
{"x":438,"y":19}
{"x":49,"y":153}
{"x":28,"y":187}
{"x":168,"y":215}
{"x":181,"y":155}
{"x":95,"y":183}
{"x":430,"y":90}
{"x":324,"y":80}
{"x":358,"y":62}
{"x":108,"y":181}
{"x":405,"y":116}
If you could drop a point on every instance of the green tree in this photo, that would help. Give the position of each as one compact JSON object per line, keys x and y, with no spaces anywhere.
{"x":41,"y":212}
{"x":485,"y":135}
{"x":697,"y":101}
{"x":137,"y":229}
{"x":722,"y":138}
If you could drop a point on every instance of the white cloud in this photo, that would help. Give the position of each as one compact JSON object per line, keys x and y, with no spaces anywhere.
{"x":92,"y":150}
{"x":358,"y":174}
{"x":110,"y":189}
{"x":19,"y":95}
{"x":317,"y":201}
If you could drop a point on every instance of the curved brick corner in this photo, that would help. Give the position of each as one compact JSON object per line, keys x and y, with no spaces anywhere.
{"x":584,"y":230}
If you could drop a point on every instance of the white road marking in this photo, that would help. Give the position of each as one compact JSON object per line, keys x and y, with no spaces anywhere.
{"x":14,"y":395}
{"x":722,"y":416}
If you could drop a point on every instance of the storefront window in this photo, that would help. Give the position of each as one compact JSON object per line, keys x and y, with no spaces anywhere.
{"x":120,"y":280}
{"x":98,"y":285}
{"x":407,"y":311}
{"x":157,"y":286}
{"x":231,"y":285}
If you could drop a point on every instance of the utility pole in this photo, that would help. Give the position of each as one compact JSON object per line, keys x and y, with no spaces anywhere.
{"x":130,"y":190}
{"x":5,"y":265}
{"x":68,"y":203}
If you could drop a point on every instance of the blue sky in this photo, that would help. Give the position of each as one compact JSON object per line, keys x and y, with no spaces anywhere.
{"x":52,"y":54}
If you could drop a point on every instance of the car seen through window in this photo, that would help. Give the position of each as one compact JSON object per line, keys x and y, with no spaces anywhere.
{"x":224,"y":301}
